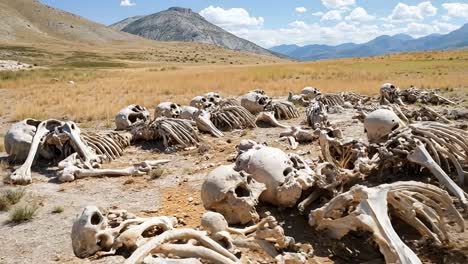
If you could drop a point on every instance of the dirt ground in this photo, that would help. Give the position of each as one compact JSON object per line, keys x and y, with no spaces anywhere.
{"x":46,"y":238}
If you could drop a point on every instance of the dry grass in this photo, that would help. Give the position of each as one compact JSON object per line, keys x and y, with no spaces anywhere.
{"x":24,"y":212}
{"x":99,"y":94}
{"x":10,"y":197}
{"x":57,"y":209}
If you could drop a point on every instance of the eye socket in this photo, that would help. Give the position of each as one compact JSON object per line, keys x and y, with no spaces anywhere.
{"x":241,"y":191}
{"x":203,"y":99}
{"x":211,"y":99}
{"x":173,"y":106}
{"x":287,"y":171}
{"x":392,"y":86}
{"x":96,"y":219}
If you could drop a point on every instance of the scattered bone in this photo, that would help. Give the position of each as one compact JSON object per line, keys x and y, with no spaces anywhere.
{"x":366,"y":209}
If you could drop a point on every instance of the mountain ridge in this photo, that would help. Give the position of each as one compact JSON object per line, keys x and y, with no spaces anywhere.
{"x":182,"y":24}
{"x":378,"y":46}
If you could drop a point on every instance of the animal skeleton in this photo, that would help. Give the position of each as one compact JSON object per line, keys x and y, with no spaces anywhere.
{"x":92,"y":234}
{"x":131,"y":116}
{"x":366,"y":209}
{"x":54,"y":139}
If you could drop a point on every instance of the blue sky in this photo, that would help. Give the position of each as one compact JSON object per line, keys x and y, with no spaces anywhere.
{"x":301,"y":22}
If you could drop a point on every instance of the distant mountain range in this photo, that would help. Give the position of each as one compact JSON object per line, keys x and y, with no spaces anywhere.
{"x":182,"y":24}
{"x":381,"y":45}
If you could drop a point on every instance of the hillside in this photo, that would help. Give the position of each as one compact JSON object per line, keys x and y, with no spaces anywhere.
{"x":378,"y":46}
{"x":29,"y":21}
{"x":182,"y":24}
{"x":34,"y":33}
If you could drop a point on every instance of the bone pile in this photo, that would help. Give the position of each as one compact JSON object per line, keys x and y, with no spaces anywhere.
{"x":411,"y":167}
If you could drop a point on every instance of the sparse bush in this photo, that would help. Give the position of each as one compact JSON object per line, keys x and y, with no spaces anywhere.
{"x":10,"y":197}
{"x":23,"y":213}
{"x":57,"y":209}
{"x":157,"y":173}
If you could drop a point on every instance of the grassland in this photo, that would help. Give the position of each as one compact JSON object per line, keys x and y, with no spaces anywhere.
{"x":100,"y":91}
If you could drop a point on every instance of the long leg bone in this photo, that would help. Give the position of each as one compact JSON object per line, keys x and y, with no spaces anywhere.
{"x":22,"y":175}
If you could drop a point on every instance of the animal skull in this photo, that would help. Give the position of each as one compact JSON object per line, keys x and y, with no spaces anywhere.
{"x":202,"y":118}
{"x":390,"y":94}
{"x":167,"y":109}
{"x":88,"y":232}
{"x":232,"y":193}
{"x":130,"y":116}
{"x":201,"y":102}
{"x":255,"y":102}
{"x":380,"y":123}
{"x":283,"y":176}
{"x":310,"y":92}
{"x":19,"y":137}
{"x":213,"y":98}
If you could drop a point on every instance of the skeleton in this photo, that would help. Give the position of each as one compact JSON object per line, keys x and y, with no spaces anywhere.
{"x":285,"y":176}
{"x":439,"y":148}
{"x":426,"y":113}
{"x":298,"y":99}
{"x":91,"y":234}
{"x":316,"y":114}
{"x":201,"y":117}
{"x":366,"y":209}
{"x":390,"y":94}
{"x":266,"y":235}
{"x":233,"y":194}
{"x":268,"y":111}
{"x":413,"y":95}
{"x":212,"y":119}
{"x":131,"y":116}
{"x":57,"y":140}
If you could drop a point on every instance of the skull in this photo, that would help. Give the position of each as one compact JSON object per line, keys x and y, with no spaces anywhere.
{"x":390,"y":94}
{"x":213,"y":98}
{"x":19,"y":137}
{"x":379,"y":124}
{"x":201,"y":102}
{"x":310,"y":92}
{"x":233,"y":194}
{"x":89,"y":233}
{"x":167,"y":109}
{"x":130,"y":116}
{"x":255,"y":102}
{"x":278,"y":171}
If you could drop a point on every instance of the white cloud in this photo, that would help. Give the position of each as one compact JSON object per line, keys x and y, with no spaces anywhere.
{"x":301,"y":9}
{"x":359,"y":14}
{"x":456,"y":9}
{"x":301,"y":33}
{"x":126,"y":3}
{"x":446,"y":18}
{"x":332,"y":15}
{"x":317,"y":13}
{"x":404,"y":12}
{"x":333,"y":4}
{"x":231,"y":18}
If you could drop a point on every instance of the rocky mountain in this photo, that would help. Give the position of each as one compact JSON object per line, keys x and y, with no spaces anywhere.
{"x":29,"y":21}
{"x":378,"y":46}
{"x":182,"y":24}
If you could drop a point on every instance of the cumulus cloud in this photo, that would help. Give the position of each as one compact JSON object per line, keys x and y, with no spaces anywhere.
{"x":126,"y":3}
{"x":359,"y":14}
{"x":456,"y":9}
{"x":404,"y":12}
{"x":301,"y":9}
{"x":317,"y":14}
{"x":334,"y":4}
{"x":332,"y":15}
{"x":231,"y":18}
{"x":302,"y":33}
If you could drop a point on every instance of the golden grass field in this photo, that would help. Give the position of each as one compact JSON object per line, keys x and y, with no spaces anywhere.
{"x":101,"y":90}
